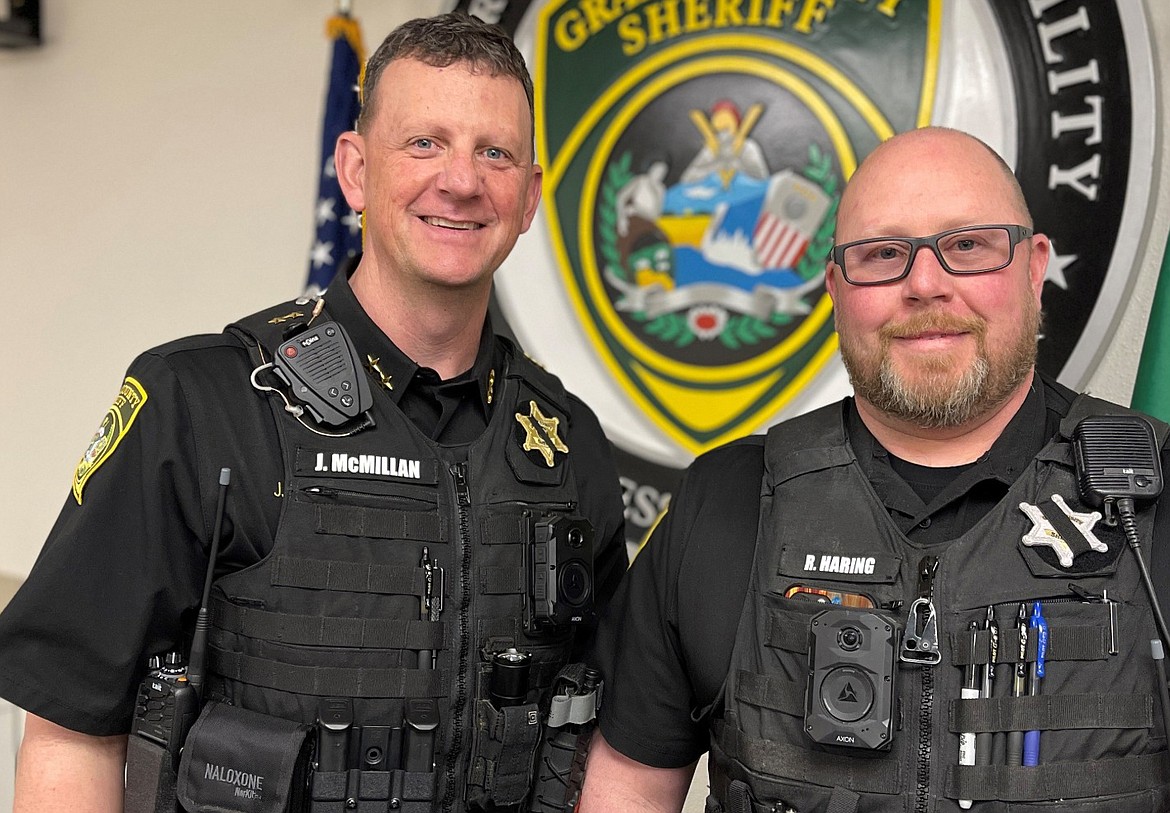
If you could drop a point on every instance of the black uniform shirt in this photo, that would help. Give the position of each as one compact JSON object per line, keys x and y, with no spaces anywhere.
{"x":122,"y":572}
{"x":664,"y":645}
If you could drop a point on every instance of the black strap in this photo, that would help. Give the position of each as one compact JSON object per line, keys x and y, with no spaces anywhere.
{"x":506,"y":529}
{"x":763,"y":691}
{"x":328,"y":681}
{"x":315,"y":630}
{"x":348,"y":577}
{"x":497,"y":581}
{"x":1052,"y":712}
{"x":379,"y":523}
{"x":787,"y":631}
{"x":881,"y":774}
{"x":1065,"y":643}
{"x":335,"y":786}
{"x":1064,"y":527}
{"x":1058,"y":780}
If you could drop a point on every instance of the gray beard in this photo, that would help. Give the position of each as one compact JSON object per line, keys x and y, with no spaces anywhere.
{"x":966,"y":400}
{"x":935,"y":403}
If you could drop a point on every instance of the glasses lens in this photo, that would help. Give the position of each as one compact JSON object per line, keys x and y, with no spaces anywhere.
{"x":876,"y":260}
{"x":975,"y":250}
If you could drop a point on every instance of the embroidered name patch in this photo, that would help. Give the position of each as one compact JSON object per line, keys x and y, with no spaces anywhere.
{"x":857,"y":567}
{"x":113,"y":428}
{"x":368,"y":466}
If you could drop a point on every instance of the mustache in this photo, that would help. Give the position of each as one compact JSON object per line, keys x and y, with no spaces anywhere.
{"x":932,"y":322}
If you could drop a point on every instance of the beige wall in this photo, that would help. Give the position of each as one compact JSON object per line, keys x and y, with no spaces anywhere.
{"x":157,"y":176}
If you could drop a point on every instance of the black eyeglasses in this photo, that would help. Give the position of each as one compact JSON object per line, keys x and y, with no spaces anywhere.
{"x":969,"y":250}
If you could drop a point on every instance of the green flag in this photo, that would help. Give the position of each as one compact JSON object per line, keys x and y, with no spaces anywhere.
{"x":1151,"y":390}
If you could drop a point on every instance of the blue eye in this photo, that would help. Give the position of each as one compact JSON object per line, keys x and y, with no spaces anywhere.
{"x":423,"y":143}
{"x":494,"y":153}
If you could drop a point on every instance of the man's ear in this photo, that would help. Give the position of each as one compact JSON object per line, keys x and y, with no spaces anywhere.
{"x":532,"y":197}
{"x":350,"y":161}
{"x":1038,"y":263}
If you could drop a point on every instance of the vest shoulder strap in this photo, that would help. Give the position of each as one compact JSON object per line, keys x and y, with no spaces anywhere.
{"x":267,"y":329}
{"x":1086,"y":405}
{"x":810,"y":442}
{"x":522,"y":367}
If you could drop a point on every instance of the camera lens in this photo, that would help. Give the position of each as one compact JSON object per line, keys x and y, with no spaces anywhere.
{"x":574,"y":583}
{"x":575,"y":537}
{"x":849,"y":639}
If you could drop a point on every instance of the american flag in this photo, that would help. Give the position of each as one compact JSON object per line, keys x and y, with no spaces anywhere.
{"x":339,"y":232}
{"x":778,"y":244}
{"x":792,"y":212}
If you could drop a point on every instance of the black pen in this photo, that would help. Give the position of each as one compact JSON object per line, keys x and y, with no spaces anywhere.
{"x":970,"y":691}
{"x":983,"y":738}
{"x":1015,"y":739}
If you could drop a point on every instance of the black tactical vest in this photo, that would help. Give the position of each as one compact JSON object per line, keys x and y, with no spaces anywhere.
{"x":822,"y":527}
{"x":335,"y":610}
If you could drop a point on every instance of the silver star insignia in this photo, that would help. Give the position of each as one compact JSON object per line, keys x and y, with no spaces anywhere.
{"x":1043,"y":533}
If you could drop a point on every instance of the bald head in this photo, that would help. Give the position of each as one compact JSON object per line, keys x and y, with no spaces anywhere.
{"x":917,"y":171}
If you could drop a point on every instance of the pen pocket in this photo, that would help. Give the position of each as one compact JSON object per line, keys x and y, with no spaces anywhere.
{"x":1083,"y":724}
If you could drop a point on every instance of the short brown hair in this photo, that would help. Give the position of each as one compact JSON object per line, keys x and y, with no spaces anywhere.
{"x":441,"y":41}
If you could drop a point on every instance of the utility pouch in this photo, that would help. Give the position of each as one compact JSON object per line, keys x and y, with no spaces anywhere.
{"x":568,"y":729}
{"x":240,"y":761}
{"x":501,"y":759}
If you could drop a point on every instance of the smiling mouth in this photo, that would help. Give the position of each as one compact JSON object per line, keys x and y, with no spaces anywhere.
{"x":459,"y":225}
{"x":931,"y":336}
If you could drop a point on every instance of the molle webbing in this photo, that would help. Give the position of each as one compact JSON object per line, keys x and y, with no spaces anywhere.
{"x":502,"y":581}
{"x":787,"y":631}
{"x":348,"y":577}
{"x":1052,"y":712}
{"x":880,"y":775}
{"x":778,"y":694}
{"x":1079,"y":643}
{"x":337,"y":787}
{"x":315,"y":630}
{"x":379,"y":523}
{"x":329,"y":681}
{"x":1058,"y":780}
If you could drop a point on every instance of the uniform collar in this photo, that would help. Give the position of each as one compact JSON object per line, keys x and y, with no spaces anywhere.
{"x":1012,"y":452}
{"x":386,"y":362}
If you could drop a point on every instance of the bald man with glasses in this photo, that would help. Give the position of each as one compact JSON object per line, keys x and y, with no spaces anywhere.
{"x":816,"y":609}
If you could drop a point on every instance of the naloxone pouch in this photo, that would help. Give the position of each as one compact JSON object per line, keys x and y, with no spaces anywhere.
{"x":240,"y":761}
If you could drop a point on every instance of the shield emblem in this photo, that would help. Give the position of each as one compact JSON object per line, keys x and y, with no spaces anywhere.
{"x":693,"y":169}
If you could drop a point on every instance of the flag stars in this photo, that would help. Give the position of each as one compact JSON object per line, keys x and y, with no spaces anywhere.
{"x":353,"y":222}
{"x":321,"y":254}
{"x":330,"y":168}
{"x":325,"y":212}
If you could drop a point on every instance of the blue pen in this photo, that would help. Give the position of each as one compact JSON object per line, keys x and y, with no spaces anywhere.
{"x":1032,"y":738}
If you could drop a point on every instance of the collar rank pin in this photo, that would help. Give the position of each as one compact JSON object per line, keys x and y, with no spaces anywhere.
{"x":1055,"y":525}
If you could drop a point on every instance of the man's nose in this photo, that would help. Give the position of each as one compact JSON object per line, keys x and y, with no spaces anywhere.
{"x":928,"y":279}
{"x":460,"y":175}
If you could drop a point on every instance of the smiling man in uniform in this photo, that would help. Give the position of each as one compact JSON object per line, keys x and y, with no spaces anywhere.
{"x":921,"y":478}
{"x":330,"y":589}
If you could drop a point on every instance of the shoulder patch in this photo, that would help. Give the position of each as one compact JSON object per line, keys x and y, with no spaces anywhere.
{"x":114,"y":426}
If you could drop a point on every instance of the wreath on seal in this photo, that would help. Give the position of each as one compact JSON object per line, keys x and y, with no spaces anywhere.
{"x":739,"y":330}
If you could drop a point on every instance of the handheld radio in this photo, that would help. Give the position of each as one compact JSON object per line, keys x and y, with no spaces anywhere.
{"x":169,"y":697}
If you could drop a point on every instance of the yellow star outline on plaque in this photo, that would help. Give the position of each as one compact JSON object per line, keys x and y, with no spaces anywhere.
{"x":533,"y":422}
{"x":383,"y":379}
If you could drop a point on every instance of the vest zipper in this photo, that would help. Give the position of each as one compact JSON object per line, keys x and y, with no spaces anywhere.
{"x":463,"y":506}
{"x":927,"y":569}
